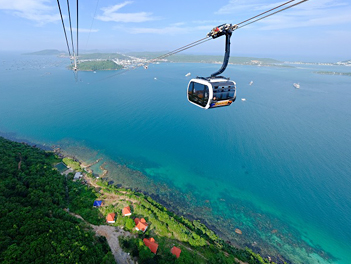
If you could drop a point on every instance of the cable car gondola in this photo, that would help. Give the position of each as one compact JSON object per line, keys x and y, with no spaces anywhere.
{"x":214,"y":91}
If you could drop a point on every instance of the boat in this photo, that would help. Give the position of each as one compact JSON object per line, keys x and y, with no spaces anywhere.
{"x":251,"y":83}
{"x":296,"y":85}
{"x":243,"y":99}
{"x":238,"y":231}
{"x":188,"y":74}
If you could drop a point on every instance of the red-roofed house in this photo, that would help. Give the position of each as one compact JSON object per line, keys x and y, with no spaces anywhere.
{"x":110,"y":218}
{"x":176,"y":251}
{"x":151,"y":244}
{"x":126,"y":211}
{"x":140,"y":224}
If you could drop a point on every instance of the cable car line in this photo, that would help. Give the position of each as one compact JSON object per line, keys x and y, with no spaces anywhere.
{"x":71,"y":31}
{"x":265,"y":12}
{"x":186,"y":46}
{"x":195,"y":43}
{"x":74,"y":55}
{"x":183,"y":48}
{"x":208,"y":37}
{"x":77,"y":29}
{"x":70,"y":26}
{"x":205,"y":92}
{"x":273,"y":13}
{"x":175,"y":51}
{"x":64,"y":29}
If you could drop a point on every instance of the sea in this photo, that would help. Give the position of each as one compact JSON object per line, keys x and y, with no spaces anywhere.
{"x":276,"y":166}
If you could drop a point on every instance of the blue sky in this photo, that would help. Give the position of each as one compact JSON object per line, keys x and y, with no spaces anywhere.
{"x":315,"y":29}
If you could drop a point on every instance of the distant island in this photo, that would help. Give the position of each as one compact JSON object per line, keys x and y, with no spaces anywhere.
{"x":339,"y":63}
{"x":184,"y":58}
{"x":47,"y":52}
{"x":333,"y":73}
{"x":115,"y":61}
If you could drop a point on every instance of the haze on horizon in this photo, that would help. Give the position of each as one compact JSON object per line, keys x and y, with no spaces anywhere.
{"x":317,"y":29}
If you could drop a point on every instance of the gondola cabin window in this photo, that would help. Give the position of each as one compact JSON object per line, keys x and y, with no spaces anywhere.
{"x":198,"y":93}
{"x":223,"y":92}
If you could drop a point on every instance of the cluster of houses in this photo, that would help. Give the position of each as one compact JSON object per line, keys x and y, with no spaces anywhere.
{"x":140,"y":225}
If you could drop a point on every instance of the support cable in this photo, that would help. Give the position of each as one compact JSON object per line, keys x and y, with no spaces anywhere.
{"x":207,"y":38}
{"x":77,"y":29}
{"x":270,"y":10}
{"x":64,"y":29}
{"x":170,"y":53}
{"x":265,"y":12}
{"x":273,"y":13}
{"x":176,"y":50}
{"x":70,"y":26}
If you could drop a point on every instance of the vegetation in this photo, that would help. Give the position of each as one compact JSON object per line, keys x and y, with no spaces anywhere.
{"x":81,"y":199}
{"x":98,"y":65}
{"x":75,"y":165}
{"x":198,"y":243}
{"x":34,"y":227}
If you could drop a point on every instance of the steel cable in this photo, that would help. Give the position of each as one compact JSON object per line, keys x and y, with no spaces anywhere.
{"x":64,"y":29}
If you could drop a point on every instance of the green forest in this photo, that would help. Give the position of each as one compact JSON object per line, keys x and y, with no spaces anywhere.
{"x":34,"y":226}
{"x":37,"y":228}
{"x":98,"y":65}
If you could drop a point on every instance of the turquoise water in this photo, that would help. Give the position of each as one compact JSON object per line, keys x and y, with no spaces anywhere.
{"x":277,"y":166}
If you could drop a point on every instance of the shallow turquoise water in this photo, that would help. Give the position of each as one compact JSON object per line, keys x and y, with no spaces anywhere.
{"x":283,"y":154}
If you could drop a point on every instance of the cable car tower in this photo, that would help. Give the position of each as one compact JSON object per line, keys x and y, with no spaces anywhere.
{"x":214,"y":91}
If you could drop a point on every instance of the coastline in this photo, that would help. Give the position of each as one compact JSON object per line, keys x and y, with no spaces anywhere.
{"x":112,"y":193}
{"x":186,"y":205}
{"x":177,"y":207}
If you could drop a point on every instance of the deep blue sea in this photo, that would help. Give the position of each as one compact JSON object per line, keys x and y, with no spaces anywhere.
{"x":277,"y":166}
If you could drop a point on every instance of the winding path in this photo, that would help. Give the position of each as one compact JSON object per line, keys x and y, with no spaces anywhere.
{"x":112,"y":233}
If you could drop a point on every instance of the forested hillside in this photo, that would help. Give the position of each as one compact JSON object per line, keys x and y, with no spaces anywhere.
{"x":34,"y":227}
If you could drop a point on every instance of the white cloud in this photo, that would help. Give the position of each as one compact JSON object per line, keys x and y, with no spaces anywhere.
{"x":36,"y":10}
{"x":83,"y":30}
{"x":213,"y":22}
{"x":170,"y":30}
{"x":110,"y":14}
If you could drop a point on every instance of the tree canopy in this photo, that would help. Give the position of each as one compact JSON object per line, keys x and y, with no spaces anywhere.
{"x":34,"y":226}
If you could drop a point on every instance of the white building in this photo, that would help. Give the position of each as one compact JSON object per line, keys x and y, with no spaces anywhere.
{"x":77,"y":176}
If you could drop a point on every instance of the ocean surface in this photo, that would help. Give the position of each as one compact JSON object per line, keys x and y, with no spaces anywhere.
{"x":277,"y":166}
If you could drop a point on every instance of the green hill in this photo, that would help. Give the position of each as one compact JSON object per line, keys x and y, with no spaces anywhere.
{"x":34,"y":227}
{"x":98,"y":66}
